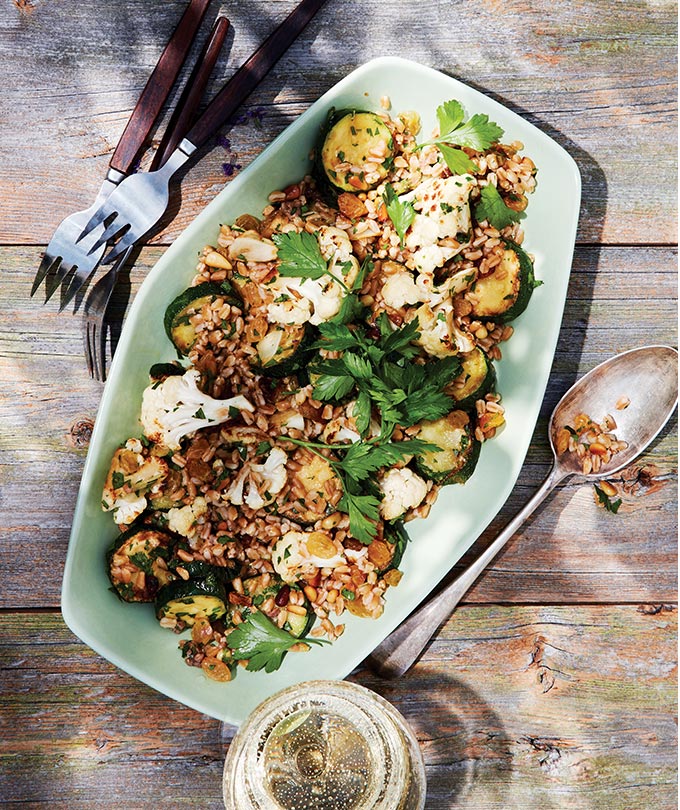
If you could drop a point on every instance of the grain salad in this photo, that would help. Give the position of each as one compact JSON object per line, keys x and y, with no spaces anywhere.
{"x":336,"y":370}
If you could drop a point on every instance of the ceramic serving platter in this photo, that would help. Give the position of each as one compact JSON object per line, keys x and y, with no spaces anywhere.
{"x":129,"y":635}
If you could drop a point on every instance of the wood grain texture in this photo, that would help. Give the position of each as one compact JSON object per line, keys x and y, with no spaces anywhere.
{"x":513,"y":707}
{"x":554,"y":686}
{"x":47,"y":406}
{"x":599,"y":77}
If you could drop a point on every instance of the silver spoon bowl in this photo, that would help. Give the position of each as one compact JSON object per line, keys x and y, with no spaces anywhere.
{"x":648,"y":378}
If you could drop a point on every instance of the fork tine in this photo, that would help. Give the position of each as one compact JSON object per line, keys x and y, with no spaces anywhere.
{"x":122,"y":245}
{"x":95,"y":220}
{"x":99,"y":348}
{"x":112,"y":231}
{"x":48,"y":262}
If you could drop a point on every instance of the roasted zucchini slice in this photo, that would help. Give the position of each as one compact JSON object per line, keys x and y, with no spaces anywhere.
{"x":457,"y":457}
{"x":476,"y":380}
{"x":136,"y":563}
{"x":177,"y":320}
{"x":282,"y":350}
{"x":505,"y":293}
{"x":160,"y":371}
{"x":356,"y":150}
{"x":185,"y":600}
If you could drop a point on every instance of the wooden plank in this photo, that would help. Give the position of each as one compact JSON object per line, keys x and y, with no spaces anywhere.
{"x":48,"y":404}
{"x":513,"y":707}
{"x":598,"y":77}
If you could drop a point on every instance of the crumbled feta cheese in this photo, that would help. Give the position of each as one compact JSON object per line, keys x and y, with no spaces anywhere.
{"x":182,"y":520}
{"x":402,"y":490}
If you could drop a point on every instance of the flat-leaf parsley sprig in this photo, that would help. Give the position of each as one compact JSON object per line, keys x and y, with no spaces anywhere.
{"x":264,"y":644}
{"x":492,"y":208}
{"x":384,"y":374}
{"x":355,"y":466}
{"x":401,"y":212}
{"x":477,"y":133}
{"x":300,"y":256}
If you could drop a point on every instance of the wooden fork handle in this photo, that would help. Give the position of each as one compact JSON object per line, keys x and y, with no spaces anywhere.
{"x":158,"y":87}
{"x":185,"y":111}
{"x":246,"y":78}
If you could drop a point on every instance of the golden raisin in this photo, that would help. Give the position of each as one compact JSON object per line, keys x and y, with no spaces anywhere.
{"x":216,"y":670}
{"x":319,"y":544}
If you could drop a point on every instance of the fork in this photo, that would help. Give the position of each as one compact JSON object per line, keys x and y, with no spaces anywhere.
{"x":140,"y":200}
{"x":66,"y":255}
{"x":96,"y":303}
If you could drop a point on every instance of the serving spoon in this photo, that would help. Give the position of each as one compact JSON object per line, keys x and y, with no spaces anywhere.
{"x":648,"y":378}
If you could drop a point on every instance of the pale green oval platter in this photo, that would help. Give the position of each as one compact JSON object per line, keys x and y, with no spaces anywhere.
{"x":128,"y":635}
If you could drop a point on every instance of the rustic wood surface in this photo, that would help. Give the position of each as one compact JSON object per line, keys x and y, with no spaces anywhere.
{"x":554,"y":685}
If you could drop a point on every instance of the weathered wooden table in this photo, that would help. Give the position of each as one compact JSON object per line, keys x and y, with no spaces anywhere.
{"x":554,"y":685}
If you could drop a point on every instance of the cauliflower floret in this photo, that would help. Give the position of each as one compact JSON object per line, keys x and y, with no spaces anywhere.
{"x":439,"y":335}
{"x":334,"y":242}
{"x":297,"y":301}
{"x":177,"y":406}
{"x":313,"y":300}
{"x":127,"y":508}
{"x":130,"y":476}
{"x":400,"y":289}
{"x":183,"y":519}
{"x":443,"y":213}
{"x":271,"y":477}
{"x":299,"y":554}
{"x":402,"y":490}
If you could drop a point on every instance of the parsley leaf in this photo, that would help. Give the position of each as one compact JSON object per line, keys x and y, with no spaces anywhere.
{"x":477,"y":133}
{"x":492,"y":209}
{"x":401,"y":213}
{"x":262,"y":642}
{"x":457,"y":160}
{"x":606,"y":501}
{"x":329,"y":387}
{"x":450,"y":115}
{"x":117,"y":479}
{"x":299,"y":255}
{"x":363,"y":511}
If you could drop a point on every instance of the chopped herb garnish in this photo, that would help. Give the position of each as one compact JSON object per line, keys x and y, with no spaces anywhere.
{"x":117,"y":479}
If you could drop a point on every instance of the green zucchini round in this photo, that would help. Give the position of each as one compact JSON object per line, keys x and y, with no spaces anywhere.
{"x":185,"y":600}
{"x":283,"y":350}
{"x":502,"y":298}
{"x":177,"y":319}
{"x":457,"y":457}
{"x":476,"y":380}
{"x":353,"y":137}
{"x":141,"y":546}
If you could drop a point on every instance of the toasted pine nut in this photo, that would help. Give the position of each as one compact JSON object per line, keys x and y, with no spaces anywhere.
{"x":310,"y":592}
{"x":215,"y":259}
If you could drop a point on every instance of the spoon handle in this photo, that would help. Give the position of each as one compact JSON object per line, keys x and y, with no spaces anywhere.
{"x":401,"y":648}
